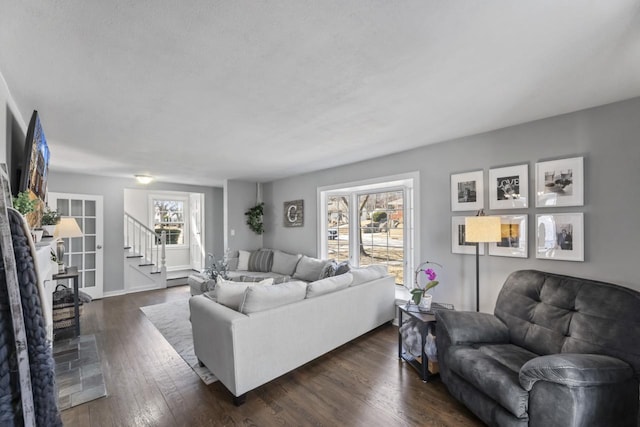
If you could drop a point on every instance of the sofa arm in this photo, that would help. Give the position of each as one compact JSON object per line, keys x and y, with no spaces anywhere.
{"x":575,"y":370}
{"x":470,"y":327}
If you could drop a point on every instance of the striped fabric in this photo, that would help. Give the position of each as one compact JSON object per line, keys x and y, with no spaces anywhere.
{"x":261,"y":260}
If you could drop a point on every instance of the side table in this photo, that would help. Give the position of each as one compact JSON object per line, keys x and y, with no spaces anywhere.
{"x":428,"y":321}
{"x":76,"y":278}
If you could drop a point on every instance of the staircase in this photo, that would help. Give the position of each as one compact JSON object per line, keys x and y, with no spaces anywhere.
{"x":144,"y":254}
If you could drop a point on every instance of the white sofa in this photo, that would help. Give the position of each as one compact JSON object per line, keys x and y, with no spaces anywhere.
{"x":245,"y":351}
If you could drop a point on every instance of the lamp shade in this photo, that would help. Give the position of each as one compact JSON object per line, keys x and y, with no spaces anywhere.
{"x":482,"y":229}
{"x":67,"y":227}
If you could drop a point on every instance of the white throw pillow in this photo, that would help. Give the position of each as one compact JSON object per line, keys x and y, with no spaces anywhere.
{"x":367,"y":274}
{"x":284,"y":263}
{"x":309,"y":269}
{"x":260,"y":298}
{"x":243,"y":260}
{"x":231,"y":294}
{"x":328,"y":285}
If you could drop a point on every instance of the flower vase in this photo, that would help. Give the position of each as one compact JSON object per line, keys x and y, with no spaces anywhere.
{"x":425,"y":302}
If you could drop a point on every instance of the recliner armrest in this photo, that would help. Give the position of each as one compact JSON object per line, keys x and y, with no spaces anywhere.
{"x":574,"y":370}
{"x":465,"y":327}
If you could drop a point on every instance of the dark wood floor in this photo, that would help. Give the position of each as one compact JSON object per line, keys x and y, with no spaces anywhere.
{"x":359,"y":384}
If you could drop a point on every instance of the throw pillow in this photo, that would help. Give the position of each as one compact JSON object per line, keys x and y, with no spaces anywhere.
{"x":328,"y":285}
{"x":342,"y":268}
{"x":231,"y":294}
{"x":329,"y":269}
{"x":284,"y":263}
{"x":260,"y":298}
{"x":261,"y":260}
{"x":362,"y":275}
{"x":309,"y":269}
{"x":243,"y":260}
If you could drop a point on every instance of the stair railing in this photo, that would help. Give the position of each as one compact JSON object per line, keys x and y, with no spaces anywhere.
{"x":144,"y":242}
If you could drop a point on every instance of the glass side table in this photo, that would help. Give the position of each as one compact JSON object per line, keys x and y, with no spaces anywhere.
{"x":427,"y":321}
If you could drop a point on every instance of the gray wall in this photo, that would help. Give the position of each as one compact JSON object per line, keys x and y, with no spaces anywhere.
{"x":112,"y":190}
{"x":239,"y":196}
{"x":609,"y":139}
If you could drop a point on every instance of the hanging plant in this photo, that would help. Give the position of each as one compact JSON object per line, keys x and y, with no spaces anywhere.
{"x":23,"y":203}
{"x":254,"y":218}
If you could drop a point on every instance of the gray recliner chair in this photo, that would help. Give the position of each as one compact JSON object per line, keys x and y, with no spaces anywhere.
{"x":558,"y":351}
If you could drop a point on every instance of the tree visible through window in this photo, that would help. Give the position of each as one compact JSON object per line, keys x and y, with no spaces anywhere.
{"x":169,"y":217}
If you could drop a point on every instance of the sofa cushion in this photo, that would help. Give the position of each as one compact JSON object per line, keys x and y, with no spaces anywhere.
{"x":491,"y":375}
{"x":261,"y":260}
{"x":367,"y":274}
{"x":284,"y":263}
{"x":231,"y":294}
{"x":309,"y":269}
{"x":328,"y":285}
{"x":243,"y":260}
{"x":260,"y":298}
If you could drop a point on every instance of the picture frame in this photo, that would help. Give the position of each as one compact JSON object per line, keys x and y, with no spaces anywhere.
{"x":514,"y":237}
{"x":560,"y":182}
{"x":294,"y":213}
{"x":509,"y":187}
{"x":560,"y":236}
{"x":467,"y":191}
{"x":458,"y":244}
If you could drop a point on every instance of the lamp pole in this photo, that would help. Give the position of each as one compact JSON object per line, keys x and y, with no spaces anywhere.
{"x":477,"y":276}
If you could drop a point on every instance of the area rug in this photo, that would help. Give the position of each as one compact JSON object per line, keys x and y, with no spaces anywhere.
{"x":79,"y":376}
{"x":172,"y":320}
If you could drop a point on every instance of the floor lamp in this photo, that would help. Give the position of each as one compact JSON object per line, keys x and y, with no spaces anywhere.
{"x":66,"y":228}
{"x":480,"y":229}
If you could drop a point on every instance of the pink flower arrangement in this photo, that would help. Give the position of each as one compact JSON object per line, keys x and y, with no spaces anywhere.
{"x":418,"y":292}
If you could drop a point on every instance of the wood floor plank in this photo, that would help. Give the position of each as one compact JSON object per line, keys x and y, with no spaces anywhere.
{"x":362,"y":383}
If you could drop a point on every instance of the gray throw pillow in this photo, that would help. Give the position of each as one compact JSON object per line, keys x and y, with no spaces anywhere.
{"x":284,"y":263}
{"x":342,"y":268}
{"x":260,"y":298}
{"x":261,"y":260}
{"x":309,"y":269}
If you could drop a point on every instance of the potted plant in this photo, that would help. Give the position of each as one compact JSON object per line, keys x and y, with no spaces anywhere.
{"x":23,"y":203}
{"x":419,"y":292}
{"x":49,"y":220}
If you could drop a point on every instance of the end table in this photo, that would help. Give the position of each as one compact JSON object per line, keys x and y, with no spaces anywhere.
{"x":428,"y":321}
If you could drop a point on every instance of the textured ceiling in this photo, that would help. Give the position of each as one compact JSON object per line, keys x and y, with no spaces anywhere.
{"x":199,"y":91}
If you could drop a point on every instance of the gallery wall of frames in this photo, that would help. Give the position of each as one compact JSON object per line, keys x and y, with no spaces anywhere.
{"x":557,"y":235}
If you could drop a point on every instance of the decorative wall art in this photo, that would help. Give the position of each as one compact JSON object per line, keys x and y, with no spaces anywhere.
{"x":294,"y":213}
{"x":560,"y":236}
{"x":509,"y":187}
{"x":513,"y":229}
{"x":560,"y":182}
{"x":458,"y":243}
{"x":467,"y":191}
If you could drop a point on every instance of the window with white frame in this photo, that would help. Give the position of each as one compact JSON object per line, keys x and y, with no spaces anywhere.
{"x":169,"y":216}
{"x":370,"y":223}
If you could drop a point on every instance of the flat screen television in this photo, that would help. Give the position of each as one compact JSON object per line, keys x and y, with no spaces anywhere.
{"x":36,"y":160}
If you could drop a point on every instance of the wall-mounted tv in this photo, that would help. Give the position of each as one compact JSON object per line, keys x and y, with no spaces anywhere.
{"x":36,"y":160}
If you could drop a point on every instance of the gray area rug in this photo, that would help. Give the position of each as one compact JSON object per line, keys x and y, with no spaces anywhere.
{"x":79,"y":376}
{"x":172,"y":320}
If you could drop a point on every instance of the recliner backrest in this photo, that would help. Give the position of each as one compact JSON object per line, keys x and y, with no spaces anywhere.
{"x":550,"y":313}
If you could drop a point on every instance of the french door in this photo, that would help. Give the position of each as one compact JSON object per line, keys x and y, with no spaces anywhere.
{"x":83,"y":252}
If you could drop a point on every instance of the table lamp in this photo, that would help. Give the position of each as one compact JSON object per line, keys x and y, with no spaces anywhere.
{"x":480,"y":229}
{"x":66,"y":228}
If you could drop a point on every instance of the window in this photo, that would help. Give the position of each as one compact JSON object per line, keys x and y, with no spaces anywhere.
{"x":168,"y":216}
{"x":370,"y":223}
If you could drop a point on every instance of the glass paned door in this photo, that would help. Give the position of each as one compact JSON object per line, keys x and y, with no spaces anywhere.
{"x":84,"y":252}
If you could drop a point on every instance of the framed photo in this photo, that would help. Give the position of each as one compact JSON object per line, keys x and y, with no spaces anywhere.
{"x":509,"y":187}
{"x":513,"y":230}
{"x":467,"y":191}
{"x":294,"y":213}
{"x":560,"y":183}
{"x":560,"y":236}
{"x":458,"y":243}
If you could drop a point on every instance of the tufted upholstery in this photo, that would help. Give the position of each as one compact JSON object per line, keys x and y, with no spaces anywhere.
{"x":550,"y":313}
{"x":558,"y":351}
